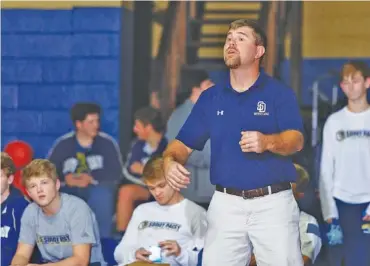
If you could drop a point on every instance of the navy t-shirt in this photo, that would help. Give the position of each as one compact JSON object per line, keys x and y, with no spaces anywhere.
{"x":141,"y":152}
{"x":11,"y":212}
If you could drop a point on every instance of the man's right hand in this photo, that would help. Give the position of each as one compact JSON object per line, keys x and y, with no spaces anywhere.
{"x":329,"y":221}
{"x":142,"y":255}
{"x":176,"y":175}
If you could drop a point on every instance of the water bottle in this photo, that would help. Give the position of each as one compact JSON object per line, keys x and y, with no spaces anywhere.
{"x":365,"y":227}
{"x":156,"y":256}
{"x":335,"y":233}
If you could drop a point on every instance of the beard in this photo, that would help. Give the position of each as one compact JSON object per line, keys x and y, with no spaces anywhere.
{"x":233,"y":62}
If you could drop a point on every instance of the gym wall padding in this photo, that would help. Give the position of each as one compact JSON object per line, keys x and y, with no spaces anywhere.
{"x":53,"y":55}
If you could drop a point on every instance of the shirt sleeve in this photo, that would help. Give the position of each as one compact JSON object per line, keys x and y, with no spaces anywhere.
{"x":326,"y":182}
{"x":199,"y":227}
{"x":196,"y":129}
{"x":82,"y":220}
{"x":27,"y":234}
{"x":133,"y":156}
{"x":55,"y":156}
{"x":113,"y":166}
{"x":125,"y":251}
{"x":310,"y":237}
{"x":288,"y":112}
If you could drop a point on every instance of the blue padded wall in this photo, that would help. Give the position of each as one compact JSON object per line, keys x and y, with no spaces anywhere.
{"x":52,"y":59}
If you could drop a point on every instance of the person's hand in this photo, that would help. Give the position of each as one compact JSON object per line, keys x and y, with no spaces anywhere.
{"x":137,"y":168}
{"x":142,"y":255}
{"x":171,"y":246}
{"x":71,"y":180}
{"x":78,"y":180}
{"x":366,"y":218}
{"x":329,"y":221}
{"x":252,"y":141}
{"x":84,"y":180}
{"x":253,"y":261}
{"x":176,"y":175}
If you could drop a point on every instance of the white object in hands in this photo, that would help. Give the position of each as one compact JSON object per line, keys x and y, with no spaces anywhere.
{"x":156,"y":254}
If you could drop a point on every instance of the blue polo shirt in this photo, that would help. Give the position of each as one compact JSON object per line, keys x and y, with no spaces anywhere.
{"x":221,"y":113}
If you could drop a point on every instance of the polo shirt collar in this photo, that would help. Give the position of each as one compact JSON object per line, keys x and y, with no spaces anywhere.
{"x":257,"y":84}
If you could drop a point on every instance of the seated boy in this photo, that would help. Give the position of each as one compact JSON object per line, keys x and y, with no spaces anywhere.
{"x":63,"y":226}
{"x":172,"y":224}
{"x":13,"y":205}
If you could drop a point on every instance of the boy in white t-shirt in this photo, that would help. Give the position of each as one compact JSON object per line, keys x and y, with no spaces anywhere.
{"x":345,"y":166}
{"x":172,"y":225}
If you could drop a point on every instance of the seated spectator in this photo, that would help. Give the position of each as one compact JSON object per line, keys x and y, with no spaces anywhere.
{"x":149,"y":129}
{"x":308,"y":226}
{"x":89,"y":164}
{"x":63,"y":226}
{"x":12,"y":206}
{"x":174,"y":224}
{"x":200,"y":188}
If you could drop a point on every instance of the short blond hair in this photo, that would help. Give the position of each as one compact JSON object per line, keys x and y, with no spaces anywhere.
{"x":153,"y":169}
{"x":39,"y":168}
{"x":7,"y":164}
{"x":303,"y":178}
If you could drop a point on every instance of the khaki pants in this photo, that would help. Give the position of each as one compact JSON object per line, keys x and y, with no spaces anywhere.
{"x":269,"y":223}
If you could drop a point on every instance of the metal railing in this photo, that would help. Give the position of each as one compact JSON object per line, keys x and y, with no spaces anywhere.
{"x":319,"y":97}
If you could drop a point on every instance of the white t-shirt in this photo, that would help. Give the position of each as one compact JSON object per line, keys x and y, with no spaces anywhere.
{"x":309,"y":235}
{"x":184,"y":222}
{"x":345,"y":161}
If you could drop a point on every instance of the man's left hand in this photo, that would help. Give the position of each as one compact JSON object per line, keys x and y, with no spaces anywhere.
{"x":171,"y":246}
{"x":366,"y":218}
{"x":253,"y":141}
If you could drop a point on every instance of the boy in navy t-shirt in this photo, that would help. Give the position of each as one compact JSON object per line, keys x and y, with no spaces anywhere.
{"x":13,"y":205}
{"x":149,"y":129}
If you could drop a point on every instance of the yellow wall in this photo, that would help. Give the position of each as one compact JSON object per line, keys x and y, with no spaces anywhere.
{"x":157,"y":28}
{"x":335,"y":30}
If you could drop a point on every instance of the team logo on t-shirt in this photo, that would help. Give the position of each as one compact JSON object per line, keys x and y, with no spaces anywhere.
{"x":344,"y":134}
{"x":53,"y":240}
{"x":159,"y":225}
{"x":5,"y":231}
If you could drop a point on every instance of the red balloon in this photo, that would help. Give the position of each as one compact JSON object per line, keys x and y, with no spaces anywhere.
{"x":17,"y":182}
{"x":21,"y":152}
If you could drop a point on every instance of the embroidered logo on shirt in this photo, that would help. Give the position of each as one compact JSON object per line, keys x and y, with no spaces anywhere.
{"x":261,"y":108}
{"x":220,"y":112}
{"x":84,"y":235}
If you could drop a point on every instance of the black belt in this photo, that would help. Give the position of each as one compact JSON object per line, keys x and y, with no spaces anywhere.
{"x":254,"y":193}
